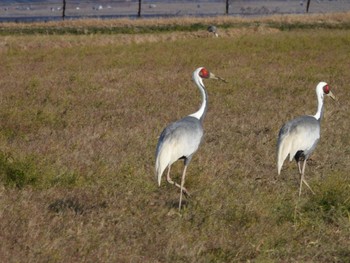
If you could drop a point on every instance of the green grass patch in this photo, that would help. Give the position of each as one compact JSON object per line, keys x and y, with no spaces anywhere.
{"x":307,"y":26}
{"x":106,"y":30}
{"x":18,"y":173}
{"x":30,"y":171}
{"x":332,"y":204}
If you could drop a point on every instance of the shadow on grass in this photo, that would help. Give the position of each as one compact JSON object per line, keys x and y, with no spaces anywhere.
{"x":73,"y":204}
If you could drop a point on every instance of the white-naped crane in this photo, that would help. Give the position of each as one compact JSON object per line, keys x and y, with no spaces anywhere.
{"x":298,"y":138}
{"x":181,"y":139}
{"x":213,"y":29}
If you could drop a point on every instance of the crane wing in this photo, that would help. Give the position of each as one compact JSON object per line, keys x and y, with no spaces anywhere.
{"x":300,"y":134}
{"x":179,"y":139}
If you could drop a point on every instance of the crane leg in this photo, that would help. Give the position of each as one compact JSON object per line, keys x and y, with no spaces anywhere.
{"x":182,"y":185}
{"x":303,"y":179}
{"x":298,"y":162}
{"x":184,"y":190}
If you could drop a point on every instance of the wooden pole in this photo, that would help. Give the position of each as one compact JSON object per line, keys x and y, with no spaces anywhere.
{"x":307,"y":6}
{"x":139,"y":12}
{"x":64,"y":9}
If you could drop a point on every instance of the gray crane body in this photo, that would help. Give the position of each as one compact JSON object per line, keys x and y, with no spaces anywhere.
{"x":299,"y":135}
{"x":214,"y":30}
{"x":179,"y":140}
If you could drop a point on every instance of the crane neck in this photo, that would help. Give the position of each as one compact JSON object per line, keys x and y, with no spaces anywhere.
{"x":200,"y":114}
{"x":319,"y":113}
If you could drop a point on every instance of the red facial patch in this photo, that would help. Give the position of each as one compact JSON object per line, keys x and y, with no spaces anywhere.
{"x":204,"y":73}
{"x":326,"y":89}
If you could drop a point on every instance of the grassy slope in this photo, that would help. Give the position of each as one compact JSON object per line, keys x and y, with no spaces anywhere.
{"x":80,"y":117}
{"x":183,"y":24}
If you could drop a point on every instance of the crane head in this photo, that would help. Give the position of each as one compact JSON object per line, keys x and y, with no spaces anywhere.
{"x":326,"y":90}
{"x":205,"y":74}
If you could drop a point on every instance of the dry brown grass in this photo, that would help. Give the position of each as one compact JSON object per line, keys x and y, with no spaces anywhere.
{"x":80,"y":117}
{"x":332,"y":18}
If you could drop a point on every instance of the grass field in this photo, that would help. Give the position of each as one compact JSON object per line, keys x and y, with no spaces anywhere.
{"x":80,"y":119}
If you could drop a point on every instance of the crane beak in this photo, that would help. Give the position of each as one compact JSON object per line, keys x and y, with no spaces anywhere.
{"x":212,"y":76}
{"x":330,"y":94}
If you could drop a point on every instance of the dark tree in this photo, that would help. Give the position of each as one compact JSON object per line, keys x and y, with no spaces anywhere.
{"x":64,"y":9}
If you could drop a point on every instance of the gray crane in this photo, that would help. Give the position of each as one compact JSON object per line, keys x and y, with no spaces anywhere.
{"x":213,"y":29}
{"x":298,"y":138}
{"x":181,"y":139}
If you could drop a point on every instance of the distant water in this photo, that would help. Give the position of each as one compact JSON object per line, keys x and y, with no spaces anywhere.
{"x":30,"y":19}
{"x":163,"y":9}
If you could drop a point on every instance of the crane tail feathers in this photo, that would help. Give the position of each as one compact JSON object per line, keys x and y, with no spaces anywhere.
{"x":283,"y":149}
{"x":162,"y":162}
{"x":158,"y":170}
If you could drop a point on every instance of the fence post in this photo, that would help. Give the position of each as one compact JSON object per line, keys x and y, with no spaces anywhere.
{"x":139,"y":12}
{"x":64,"y":9}
{"x":307,"y":6}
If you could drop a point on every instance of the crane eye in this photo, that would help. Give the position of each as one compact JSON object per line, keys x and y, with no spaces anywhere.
{"x":204,"y":73}
{"x":326,"y":89}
